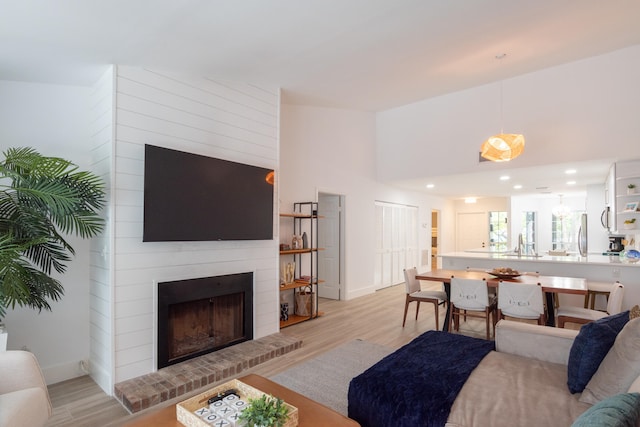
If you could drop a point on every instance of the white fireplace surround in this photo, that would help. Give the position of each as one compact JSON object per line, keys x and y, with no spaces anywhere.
{"x":132,"y":107}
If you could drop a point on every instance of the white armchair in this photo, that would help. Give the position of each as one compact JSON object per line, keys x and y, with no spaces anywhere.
{"x":24,"y":399}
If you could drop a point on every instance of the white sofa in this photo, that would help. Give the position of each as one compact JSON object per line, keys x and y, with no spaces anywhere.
{"x":524,"y":382}
{"x":24,"y":399}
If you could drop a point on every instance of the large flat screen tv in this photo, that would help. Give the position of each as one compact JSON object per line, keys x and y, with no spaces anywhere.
{"x":189,"y":197}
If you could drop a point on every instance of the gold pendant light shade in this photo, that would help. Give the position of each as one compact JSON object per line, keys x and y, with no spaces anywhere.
{"x":502,"y":147}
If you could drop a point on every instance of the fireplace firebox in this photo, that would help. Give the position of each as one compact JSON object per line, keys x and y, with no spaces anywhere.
{"x":199,"y":316}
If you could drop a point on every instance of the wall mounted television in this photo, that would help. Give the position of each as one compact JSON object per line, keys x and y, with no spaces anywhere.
{"x":189,"y":197}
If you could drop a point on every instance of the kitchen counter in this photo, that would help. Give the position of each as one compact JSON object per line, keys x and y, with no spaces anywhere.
{"x":595,"y":258}
{"x":594,"y":267}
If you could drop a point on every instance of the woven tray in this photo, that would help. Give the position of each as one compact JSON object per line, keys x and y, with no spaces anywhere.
{"x":185,"y":410}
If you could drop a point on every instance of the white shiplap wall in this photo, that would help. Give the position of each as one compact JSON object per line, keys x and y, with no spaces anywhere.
{"x":232,"y":121}
{"x":101,"y":291}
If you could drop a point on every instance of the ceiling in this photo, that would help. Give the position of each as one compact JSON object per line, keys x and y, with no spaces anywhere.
{"x":366,"y":55}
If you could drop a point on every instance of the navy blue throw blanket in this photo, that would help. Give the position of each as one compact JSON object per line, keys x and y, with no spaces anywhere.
{"x":417,"y":384}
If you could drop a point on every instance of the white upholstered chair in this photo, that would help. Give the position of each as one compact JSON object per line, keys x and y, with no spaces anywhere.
{"x":472,"y":296}
{"x":585,"y":315}
{"x":24,"y":398}
{"x":414,"y":293}
{"x":521,"y":300}
{"x":594,"y":289}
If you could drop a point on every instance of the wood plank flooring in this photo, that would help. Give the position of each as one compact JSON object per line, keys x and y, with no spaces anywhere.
{"x":376,"y":318}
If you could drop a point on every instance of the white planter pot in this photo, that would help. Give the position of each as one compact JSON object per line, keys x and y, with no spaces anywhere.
{"x":3,"y":340}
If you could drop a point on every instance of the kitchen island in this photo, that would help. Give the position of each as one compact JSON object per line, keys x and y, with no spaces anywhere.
{"x":593,"y":267}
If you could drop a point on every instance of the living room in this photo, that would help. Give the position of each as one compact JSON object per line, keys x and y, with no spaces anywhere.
{"x":577,"y":111}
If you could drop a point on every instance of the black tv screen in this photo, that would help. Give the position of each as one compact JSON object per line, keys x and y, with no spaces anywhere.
{"x":189,"y":197}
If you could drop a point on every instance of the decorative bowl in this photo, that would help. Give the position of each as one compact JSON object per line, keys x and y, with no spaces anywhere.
{"x":504,"y":275}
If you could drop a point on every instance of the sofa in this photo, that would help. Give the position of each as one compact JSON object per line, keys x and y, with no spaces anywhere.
{"x":24,"y":399}
{"x":535,"y":376}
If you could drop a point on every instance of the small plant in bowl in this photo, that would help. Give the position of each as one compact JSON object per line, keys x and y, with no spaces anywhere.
{"x":630,"y":223}
{"x":631,"y":189}
{"x":266,"y":411}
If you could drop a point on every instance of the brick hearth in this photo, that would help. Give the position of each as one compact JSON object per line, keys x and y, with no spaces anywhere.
{"x":148,"y":390}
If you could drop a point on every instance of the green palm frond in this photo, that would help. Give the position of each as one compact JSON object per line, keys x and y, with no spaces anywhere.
{"x":42,"y":199}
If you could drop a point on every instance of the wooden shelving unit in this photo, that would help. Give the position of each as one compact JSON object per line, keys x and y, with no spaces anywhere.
{"x":305,"y":220}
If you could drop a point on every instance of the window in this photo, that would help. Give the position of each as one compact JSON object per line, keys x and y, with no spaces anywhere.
{"x":498,"y":232}
{"x":564,"y":231}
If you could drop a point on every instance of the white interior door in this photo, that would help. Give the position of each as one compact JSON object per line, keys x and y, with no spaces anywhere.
{"x":396,"y":242}
{"x":330,"y":207}
{"x":472,"y":231}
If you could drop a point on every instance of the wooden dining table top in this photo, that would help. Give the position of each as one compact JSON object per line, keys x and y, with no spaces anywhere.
{"x":557,"y":284}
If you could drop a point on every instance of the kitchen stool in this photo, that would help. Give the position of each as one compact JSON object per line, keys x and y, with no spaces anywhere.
{"x":593,"y":290}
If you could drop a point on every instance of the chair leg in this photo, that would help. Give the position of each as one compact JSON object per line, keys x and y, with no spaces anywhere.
{"x":406,"y":307}
{"x":561,"y":322}
{"x":488,"y":319}
{"x":586,"y":300}
{"x":417,"y":308}
{"x":435,"y":304}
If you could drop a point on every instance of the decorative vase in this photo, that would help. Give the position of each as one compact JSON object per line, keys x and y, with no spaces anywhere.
{"x":284,"y":311}
{"x":305,"y":241}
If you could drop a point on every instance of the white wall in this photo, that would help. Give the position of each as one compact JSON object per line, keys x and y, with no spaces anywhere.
{"x":52,"y":119}
{"x":579,"y":111}
{"x":232,"y":121}
{"x":101,"y":306}
{"x":333,"y":151}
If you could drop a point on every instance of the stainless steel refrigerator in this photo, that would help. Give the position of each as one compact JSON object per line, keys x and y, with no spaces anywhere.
{"x":582,"y":235}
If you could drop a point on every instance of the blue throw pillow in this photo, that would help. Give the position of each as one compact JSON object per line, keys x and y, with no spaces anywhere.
{"x":591,"y":346}
{"x":621,"y":410}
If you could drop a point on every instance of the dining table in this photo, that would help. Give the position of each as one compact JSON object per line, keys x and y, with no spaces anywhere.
{"x":551,"y":285}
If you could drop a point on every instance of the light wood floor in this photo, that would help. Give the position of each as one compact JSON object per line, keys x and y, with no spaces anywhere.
{"x":376,"y":318}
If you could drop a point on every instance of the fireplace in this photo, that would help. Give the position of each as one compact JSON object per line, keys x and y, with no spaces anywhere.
{"x":198,"y":316}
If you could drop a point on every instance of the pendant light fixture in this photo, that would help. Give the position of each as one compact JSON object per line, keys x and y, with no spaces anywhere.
{"x":561,"y":211}
{"x":503,"y":146}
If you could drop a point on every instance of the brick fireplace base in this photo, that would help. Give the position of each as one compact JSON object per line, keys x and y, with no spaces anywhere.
{"x":172,"y":381}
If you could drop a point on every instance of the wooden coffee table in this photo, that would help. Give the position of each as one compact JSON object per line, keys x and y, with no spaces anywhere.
{"x":310,"y":413}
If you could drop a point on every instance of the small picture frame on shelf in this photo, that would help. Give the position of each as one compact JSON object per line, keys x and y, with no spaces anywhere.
{"x":631,"y":206}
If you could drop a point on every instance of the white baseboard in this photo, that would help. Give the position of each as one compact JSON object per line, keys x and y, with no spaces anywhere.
{"x":62,"y":372}
{"x":359,"y":292}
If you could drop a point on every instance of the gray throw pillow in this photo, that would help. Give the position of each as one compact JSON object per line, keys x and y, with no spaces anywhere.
{"x":620,"y":367}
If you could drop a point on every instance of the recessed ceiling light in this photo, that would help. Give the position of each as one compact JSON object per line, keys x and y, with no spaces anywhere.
{"x":570,"y":171}
{"x":505,"y":178}
{"x":470,"y":200}
{"x":571,"y":183}
{"x":517,"y":187}
{"x":430,"y":185}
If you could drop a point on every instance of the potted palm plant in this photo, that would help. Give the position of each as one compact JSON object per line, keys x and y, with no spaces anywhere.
{"x":266,"y":411}
{"x":42,"y":200}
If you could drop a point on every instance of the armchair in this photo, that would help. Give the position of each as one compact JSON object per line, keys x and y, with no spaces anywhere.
{"x":24,"y":399}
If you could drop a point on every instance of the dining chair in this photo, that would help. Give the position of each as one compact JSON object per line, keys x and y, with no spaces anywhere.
{"x":585,"y":315}
{"x":414,"y":293}
{"x":521,"y":300}
{"x":472,"y":296}
{"x":594,"y":289}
